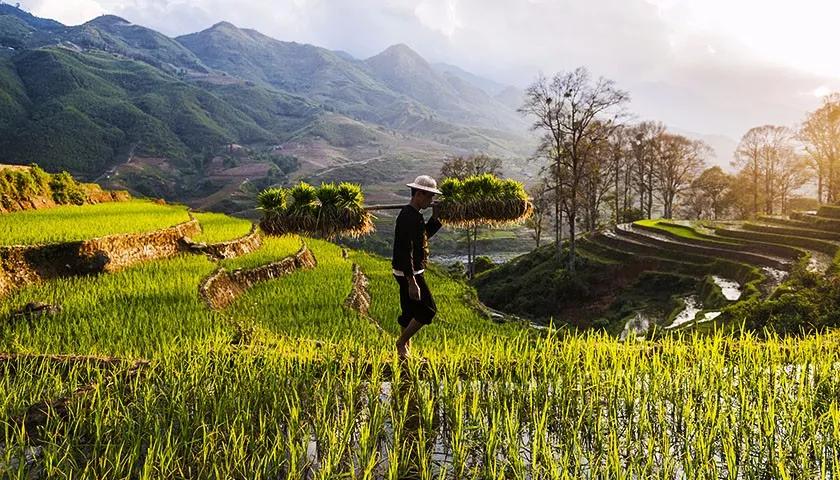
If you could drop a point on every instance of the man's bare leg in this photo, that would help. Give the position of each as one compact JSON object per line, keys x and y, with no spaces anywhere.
{"x":408,"y":342}
{"x":405,"y":337}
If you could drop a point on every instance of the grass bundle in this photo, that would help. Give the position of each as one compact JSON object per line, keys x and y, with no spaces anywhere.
{"x":483,"y":200}
{"x":327,"y":211}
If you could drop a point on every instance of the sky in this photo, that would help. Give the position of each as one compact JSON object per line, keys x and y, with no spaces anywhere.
{"x":714,"y":67}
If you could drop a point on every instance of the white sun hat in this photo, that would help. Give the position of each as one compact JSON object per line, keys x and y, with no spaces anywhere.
{"x":424,"y":182}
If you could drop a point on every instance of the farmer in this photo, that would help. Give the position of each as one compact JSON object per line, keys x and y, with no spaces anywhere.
{"x":409,"y":261}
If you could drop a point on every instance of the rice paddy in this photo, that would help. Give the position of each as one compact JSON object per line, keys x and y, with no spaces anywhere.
{"x":80,"y":222}
{"x":286,"y":383}
{"x":218,"y":227}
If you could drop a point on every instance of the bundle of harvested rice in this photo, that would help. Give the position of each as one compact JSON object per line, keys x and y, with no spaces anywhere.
{"x":328,"y":211}
{"x":483,"y":200}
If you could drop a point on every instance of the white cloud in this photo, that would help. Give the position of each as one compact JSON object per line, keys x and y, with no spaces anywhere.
{"x":70,"y":13}
{"x":441,"y":16}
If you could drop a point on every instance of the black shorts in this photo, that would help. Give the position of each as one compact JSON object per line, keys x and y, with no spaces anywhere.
{"x":423,"y":310}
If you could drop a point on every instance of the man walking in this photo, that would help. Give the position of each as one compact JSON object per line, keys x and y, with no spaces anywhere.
{"x":411,"y":250}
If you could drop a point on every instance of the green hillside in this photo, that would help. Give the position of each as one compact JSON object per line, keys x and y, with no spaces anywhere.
{"x":84,"y":111}
{"x":132,"y":375}
{"x":117,"y":35}
{"x":129,"y":107}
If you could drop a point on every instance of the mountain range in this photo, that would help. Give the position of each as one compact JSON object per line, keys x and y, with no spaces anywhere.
{"x":215,"y":114}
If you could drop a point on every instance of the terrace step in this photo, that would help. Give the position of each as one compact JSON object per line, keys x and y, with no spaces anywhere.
{"x":800,"y":230}
{"x":238,"y":247}
{"x":222,"y":287}
{"x":22,"y":265}
{"x":693,"y":237}
{"x":817,"y":221}
{"x":669,"y":242}
{"x":829,"y":211}
{"x":744,"y":274}
{"x":822,"y":252}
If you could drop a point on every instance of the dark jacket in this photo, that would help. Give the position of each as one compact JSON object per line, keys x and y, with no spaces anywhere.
{"x":411,"y":248}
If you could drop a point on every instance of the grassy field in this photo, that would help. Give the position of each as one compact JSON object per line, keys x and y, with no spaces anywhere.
{"x":684,"y":232}
{"x":287,"y":383}
{"x":273,"y":249}
{"x":217,"y":227}
{"x":71,"y":222}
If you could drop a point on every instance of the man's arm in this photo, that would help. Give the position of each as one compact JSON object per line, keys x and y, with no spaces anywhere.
{"x":403,"y":245}
{"x":433,"y":225}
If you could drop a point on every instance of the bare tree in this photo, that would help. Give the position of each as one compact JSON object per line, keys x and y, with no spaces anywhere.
{"x":598,"y":179}
{"x":748,"y":157}
{"x":621,"y":167}
{"x":464,"y":166}
{"x":677,"y":164}
{"x":644,"y":138}
{"x":760,"y":155}
{"x":573,"y":113}
{"x":461,"y":167}
{"x":820,"y":134}
{"x":541,"y":197}
{"x":793,"y":174}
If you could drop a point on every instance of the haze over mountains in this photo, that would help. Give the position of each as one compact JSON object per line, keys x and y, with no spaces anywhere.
{"x":124,"y":104}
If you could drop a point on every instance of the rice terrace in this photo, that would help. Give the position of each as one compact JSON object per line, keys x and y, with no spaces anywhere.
{"x":228,"y":256}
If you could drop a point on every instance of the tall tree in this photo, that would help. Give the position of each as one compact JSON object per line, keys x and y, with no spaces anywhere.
{"x":644,"y":146}
{"x":621,"y":168}
{"x":573,"y":112}
{"x":793,"y":173}
{"x":820,"y":134}
{"x":597,"y":179}
{"x":678,"y":160}
{"x":541,"y":197}
{"x":761,"y":154}
{"x":713,"y":185}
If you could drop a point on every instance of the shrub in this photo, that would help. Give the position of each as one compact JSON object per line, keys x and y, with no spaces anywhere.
{"x":65,"y":190}
{"x":483,"y":263}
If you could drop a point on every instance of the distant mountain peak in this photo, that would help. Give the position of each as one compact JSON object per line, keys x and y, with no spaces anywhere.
{"x":108,"y":20}
{"x":401,"y":50}
{"x":224,"y":26}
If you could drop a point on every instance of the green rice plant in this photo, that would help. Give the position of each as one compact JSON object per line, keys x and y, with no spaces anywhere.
{"x":218,"y":227}
{"x":272,"y":200}
{"x":327,"y":212}
{"x":483,"y":200}
{"x":73,"y":223}
{"x":273,"y":249}
{"x":140,"y":311}
{"x":318,"y":393}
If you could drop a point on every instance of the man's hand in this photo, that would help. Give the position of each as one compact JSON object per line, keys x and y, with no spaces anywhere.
{"x":413,"y":290}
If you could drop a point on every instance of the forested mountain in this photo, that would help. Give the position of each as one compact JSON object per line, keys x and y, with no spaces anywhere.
{"x":102,"y":98}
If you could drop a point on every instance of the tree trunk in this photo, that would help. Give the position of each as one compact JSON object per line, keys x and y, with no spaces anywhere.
{"x":558,"y":224}
{"x":616,"y":196}
{"x":572,"y":221}
{"x":474,"y":248}
{"x":469,"y":255}
{"x":819,"y":185}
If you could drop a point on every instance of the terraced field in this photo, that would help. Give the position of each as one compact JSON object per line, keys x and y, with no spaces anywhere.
{"x":733,"y":261}
{"x":71,"y":222}
{"x":129,"y":374}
